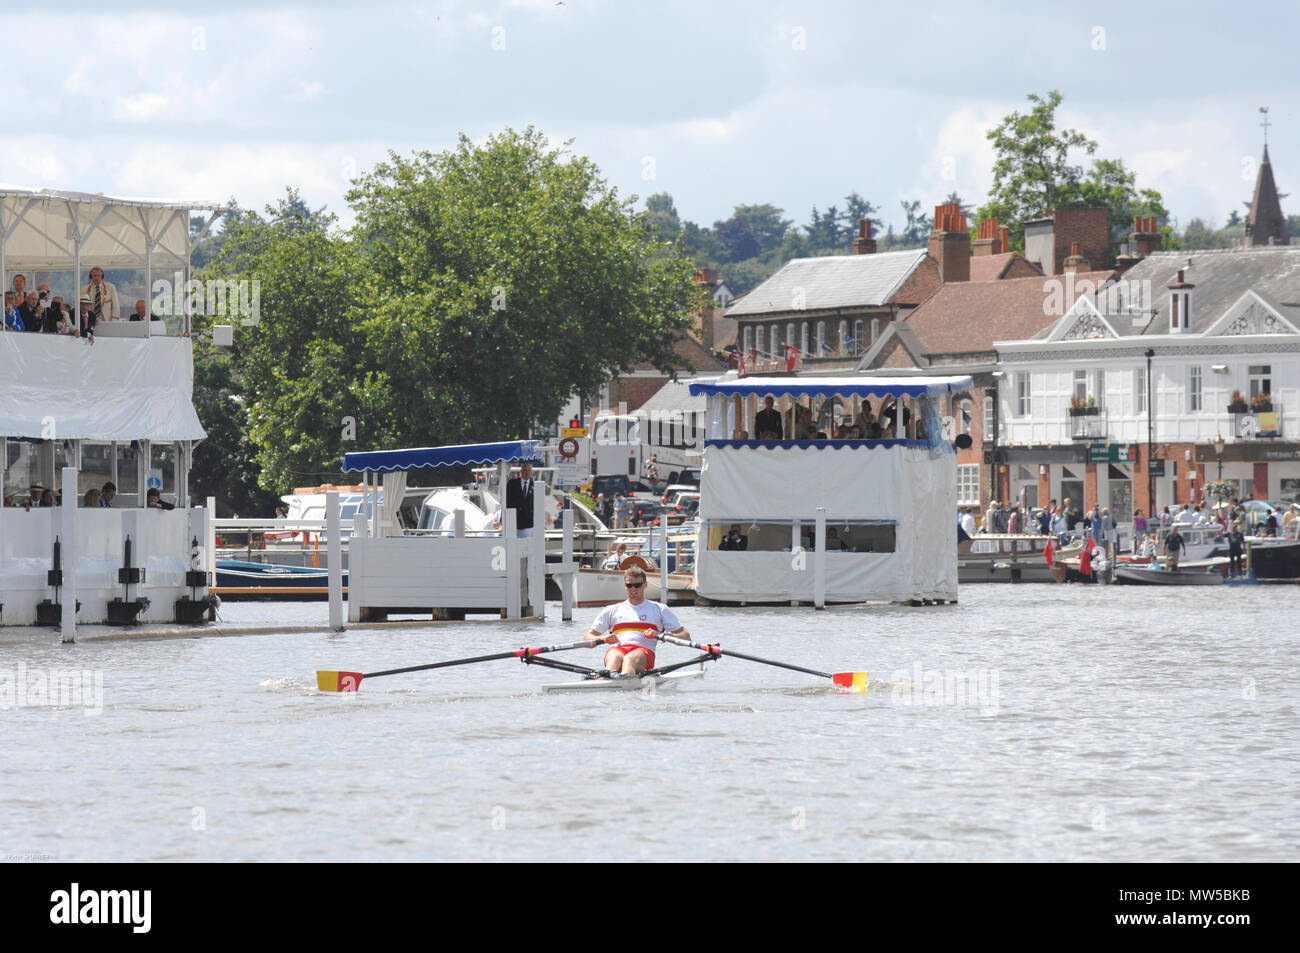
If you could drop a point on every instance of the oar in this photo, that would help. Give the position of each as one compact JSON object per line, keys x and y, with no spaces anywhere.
{"x":844,"y":681}
{"x":351,"y":681}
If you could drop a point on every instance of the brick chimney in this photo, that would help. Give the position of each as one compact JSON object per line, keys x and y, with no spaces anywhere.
{"x":864,"y":244}
{"x":1004,"y":234}
{"x":1089,"y":227}
{"x":950,"y":243}
{"x":989,"y":238}
{"x":1076,"y":263}
{"x":1146,"y":236}
{"x":1180,"y":305}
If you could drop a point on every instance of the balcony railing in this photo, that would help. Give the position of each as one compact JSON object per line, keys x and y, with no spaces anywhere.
{"x":1089,"y":426}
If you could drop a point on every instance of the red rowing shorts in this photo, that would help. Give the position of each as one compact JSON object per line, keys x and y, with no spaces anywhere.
{"x":624,"y":649}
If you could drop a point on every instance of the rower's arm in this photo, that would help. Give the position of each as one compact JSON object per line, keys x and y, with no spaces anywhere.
{"x":595,"y":638}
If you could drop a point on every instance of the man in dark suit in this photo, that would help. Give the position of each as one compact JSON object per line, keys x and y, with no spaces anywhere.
{"x":519,"y":497}
{"x":767,"y":421}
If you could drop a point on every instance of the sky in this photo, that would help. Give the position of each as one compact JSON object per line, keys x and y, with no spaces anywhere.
{"x":716,"y":103}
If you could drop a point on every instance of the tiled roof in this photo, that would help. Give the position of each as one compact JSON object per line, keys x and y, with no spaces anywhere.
{"x":835,"y":281}
{"x":994,"y":267}
{"x":1221,"y":277}
{"x":966,"y":317}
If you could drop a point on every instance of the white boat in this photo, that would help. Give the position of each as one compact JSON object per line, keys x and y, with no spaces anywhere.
{"x":1004,"y":557}
{"x":1210,"y":572}
{"x":628,"y":683}
{"x":829,"y":521}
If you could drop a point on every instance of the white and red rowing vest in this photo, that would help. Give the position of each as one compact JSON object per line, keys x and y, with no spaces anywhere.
{"x":630,"y":622}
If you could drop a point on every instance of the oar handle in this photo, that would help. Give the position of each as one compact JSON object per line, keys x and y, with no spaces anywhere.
{"x":717,"y":651}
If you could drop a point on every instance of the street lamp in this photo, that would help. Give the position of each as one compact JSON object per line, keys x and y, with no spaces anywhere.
{"x":1218,"y":452}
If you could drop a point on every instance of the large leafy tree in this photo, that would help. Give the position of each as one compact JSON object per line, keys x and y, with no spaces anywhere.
{"x":499,"y":280}
{"x":295,"y":376}
{"x":1034,"y":172}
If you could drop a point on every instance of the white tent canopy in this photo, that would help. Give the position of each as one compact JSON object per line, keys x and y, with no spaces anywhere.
{"x":53,"y":229}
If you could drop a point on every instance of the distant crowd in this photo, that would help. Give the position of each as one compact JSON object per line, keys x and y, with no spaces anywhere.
{"x":96,"y":497}
{"x":39,"y":311}
{"x":1147,"y":532}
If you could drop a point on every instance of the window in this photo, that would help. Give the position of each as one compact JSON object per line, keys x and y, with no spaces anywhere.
{"x":842,"y":343}
{"x":749,"y":340}
{"x":1193,"y":388}
{"x":1023,"y":394}
{"x":1081,"y":385}
{"x":875,"y":329}
{"x":988,"y":417}
{"x":1140,"y":391}
{"x":789,"y":334}
{"x":963,"y":416}
{"x":803,"y":338}
{"x":776,"y":340}
{"x":761,"y":340}
{"x":821,"y":338}
{"x":968,"y":484}
{"x":1099,"y":387}
{"x":856,"y":344}
{"x":1261,"y":379}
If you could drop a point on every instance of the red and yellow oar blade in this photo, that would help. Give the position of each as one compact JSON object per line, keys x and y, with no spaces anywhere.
{"x":338,"y":681}
{"x":855,"y":682}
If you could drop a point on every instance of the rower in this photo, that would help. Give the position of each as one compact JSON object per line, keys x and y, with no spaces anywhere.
{"x":631,"y":626}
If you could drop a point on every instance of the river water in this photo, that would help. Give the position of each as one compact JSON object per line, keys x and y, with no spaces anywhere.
{"x":1029,"y":722}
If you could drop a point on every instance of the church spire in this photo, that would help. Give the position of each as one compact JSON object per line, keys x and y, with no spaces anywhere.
{"x":1266,"y":225}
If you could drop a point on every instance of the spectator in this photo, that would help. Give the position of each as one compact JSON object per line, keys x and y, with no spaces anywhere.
{"x":92,"y":499}
{"x":616,"y":556}
{"x":86,"y":323}
{"x":141,"y":312}
{"x":734,"y":541}
{"x":47,"y":498}
{"x":767,"y":422}
{"x":102,"y":296}
{"x":1174,"y":547}
{"x":107,"y":493}
{"x":13,"y":320}
{"x":32,"y":311}
{"x":620,"y":511}
{"x":153,"y":500}
{"x":20,"y":288}
{"x":58,"y":320}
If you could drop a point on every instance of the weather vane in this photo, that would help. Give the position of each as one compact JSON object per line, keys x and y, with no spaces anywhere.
{"x":1265,"y":124}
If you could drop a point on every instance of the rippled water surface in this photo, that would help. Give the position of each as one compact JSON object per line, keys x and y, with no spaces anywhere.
{"x":1031,"y":722}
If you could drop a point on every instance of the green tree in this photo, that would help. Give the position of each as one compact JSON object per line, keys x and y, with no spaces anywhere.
{"x":1033,"y":172}
{"x":661,"y":216}
{"x":500,"y":279}
{"x":300,"y":371}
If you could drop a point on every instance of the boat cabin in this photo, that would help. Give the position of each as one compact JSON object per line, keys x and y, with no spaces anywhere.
{"x":826,"y":513}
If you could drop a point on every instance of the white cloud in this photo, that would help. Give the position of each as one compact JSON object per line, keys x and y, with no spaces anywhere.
{"x":140,"y":108}
{"x":305,"y":91}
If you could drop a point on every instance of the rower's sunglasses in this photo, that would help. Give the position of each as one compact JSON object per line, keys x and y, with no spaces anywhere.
{"x":634,"y":585}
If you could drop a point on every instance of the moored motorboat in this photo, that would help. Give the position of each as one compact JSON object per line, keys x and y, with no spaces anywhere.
{"x":1205,"y":572}
{"x":238,"y":580}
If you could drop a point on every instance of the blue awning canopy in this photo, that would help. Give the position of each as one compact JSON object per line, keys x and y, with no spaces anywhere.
{"x":425,"y":458}
{"x":832,"y":386}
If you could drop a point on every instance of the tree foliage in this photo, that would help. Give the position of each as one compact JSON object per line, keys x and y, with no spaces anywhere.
{"x":480,"y":289}
{"x":1034,"y":173}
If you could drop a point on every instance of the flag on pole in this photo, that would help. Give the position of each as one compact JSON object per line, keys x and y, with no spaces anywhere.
{"x":791,"y":357}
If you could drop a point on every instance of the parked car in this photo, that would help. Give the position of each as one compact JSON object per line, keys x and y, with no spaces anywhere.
{"x":673,"y":489}
{"x":644,"y":511}
{"x":684,"y":509}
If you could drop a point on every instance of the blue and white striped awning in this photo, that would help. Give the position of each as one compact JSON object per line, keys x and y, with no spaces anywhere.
{"x":860,"y":386}
{"x":425,"y":458}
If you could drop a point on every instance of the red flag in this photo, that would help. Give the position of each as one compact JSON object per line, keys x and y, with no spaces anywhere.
{"x":791,"y":355}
